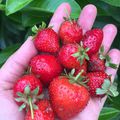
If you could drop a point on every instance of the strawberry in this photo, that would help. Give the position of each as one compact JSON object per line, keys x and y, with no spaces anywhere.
{"x":43,"y":112}
{"x":95,"y":64}
{"x":27,"y":91}
{"x":46,"y":67}
{"x":72,"y":56}
{"x":82,"y":67}
{"x":46,"y":40}
{"x":100,"y":84}
{"x":67,"y":97}
{"x":92,"y":40}
{"x":70,"y":32}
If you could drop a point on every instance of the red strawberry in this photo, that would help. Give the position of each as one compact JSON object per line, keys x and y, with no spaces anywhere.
{"x":46,"y":67}
{"x":71,"y":55}
{"x":95,"y":64}
{"x":100,"y":85}
{"x":27,"y":90}
{"x":82,"y":67}
{"x":70,"y":32}
{"x":92,"y":40}
{"x":96,"y":79}
{"x":44,"y":112}
{"x":67,"y":97}
{"x":47,"y":40}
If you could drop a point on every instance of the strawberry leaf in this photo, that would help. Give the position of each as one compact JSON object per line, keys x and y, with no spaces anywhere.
{"x":77,"y":54}
{"x":40,"y":96}
{"x":35,"y":107}
{"x":102,"y":49}
{"x":106,"y":84}
{"x":102,"y":57}
{"x":22,"y":107}
{"x":112,"y":65}
{"x":113,"y":90}
{"x":20,"y":94}
{"x":100,"y":91}
{"x":34,"y":29}
{"x":72,"y":71}
{"x":42,"y":26}
{"x":27,"y":90}
{"x":35,"y":91}
{"x":19,"y":99}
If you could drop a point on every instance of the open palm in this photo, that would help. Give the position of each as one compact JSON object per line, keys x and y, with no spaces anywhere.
{"x":17,"y":63}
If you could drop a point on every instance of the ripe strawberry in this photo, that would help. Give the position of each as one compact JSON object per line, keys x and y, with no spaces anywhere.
{"x":95,"y":64}
{"x":67,"y":97}
{"x":96,"y":79}
{"x":27,"y":91}
{"x":44,"y":111}
{"x":100,"y":85}
{"x":46,"y":40}
{"x":46,"y":67}
{"x":70,"y":32}
{"x":82,"y":67}
{"x":92,"y":40}
{"x":72,"y":56}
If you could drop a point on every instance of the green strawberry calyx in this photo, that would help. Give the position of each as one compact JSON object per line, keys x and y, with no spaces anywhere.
{"x":107,"y":59}
{"x":68,"y":18}
{"x":81,"y":55}
{"x":29,"y":98}
{"x":108,"y":89}
{"x":78,"y":79}
{"x":35,"y":29}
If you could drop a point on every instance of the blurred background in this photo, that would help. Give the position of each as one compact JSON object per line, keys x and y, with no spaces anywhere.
{"x":18,"y":16}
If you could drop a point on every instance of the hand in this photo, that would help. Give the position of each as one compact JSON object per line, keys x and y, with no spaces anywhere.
{"x":17,"y":63}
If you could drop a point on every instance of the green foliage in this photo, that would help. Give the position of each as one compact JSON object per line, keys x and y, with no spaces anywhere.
{"x":108,"y":113}
{"x":18,"y":16}
{"x":14,"y":5}
{"x":113,"y":2}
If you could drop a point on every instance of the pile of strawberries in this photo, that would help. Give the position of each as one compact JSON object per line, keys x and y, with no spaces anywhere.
{"x":70,"y":66}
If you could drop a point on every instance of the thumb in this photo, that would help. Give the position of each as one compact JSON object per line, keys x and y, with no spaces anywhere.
{"x":16,"y":64}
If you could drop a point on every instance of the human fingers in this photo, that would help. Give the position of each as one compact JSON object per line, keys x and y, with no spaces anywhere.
{"x":59,"y":15}
{"x":115,"y":58}
{"x":109,"y":32}
{"x":87,"y":17}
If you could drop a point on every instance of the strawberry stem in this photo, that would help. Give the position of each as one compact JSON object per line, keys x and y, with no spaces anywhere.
{"x":69,"y":18}
{"x":31,"y":107}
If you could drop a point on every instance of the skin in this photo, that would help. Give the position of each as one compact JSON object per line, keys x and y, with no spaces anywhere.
{"x":17,"y":63}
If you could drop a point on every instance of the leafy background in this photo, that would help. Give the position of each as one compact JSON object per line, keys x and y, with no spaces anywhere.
{"x":18,"y":16}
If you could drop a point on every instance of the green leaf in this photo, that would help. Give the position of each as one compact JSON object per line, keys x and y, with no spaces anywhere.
{"x":106,"y":84}
{"x":2,"y":7}
{"x":42,"y":10}
{"x":112,"y":65}
{"x":35,"y":91}
{"x":102,"y":49}
{"x":108,"y":113}
{"x":77,"y":54}
{"x":113,"y":2}
{"x":34,"y":29}
{"x":19,"y":99}
{"x":14,"y":5}
{"x":7,"y":52}
{"x":113,"y":90}
{"x":27,"y":90}
{"x":40,"y":96}
{"x":20,"y":94}
{"x":72,"y":71}
{"x":22,"y":107}
{"x":35,"y":107}
{"x":100,"y":91}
